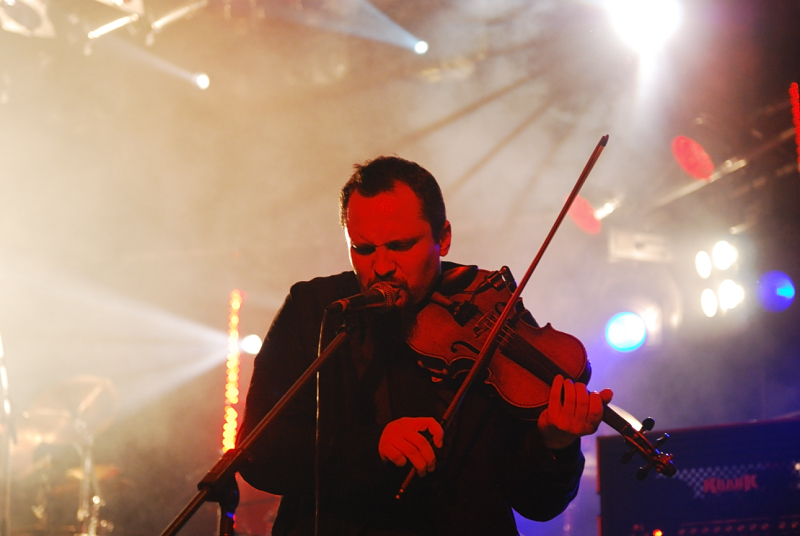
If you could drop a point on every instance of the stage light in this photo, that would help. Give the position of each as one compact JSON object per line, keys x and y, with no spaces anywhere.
{"x":421,"y":47}
{"x":607,"y":208}
{"x":638,"y":246}
{"x":708,"y":301}
{"x":26,"y":17}
{"x":794,"y":100}
{"x":652,"y":319}
{"x":128,"y":6}
{"x":201,"y":80}
{"x":730,"y":294}
{"x":113,"y":25}
{"x":645,"y":25}
{"x":583,"y":214}
{"x":724,"y":255}
{"x":692,"y":158}
{"x":251,"y":344}
{"x":232,"y":375}
{"x":702,"y":262}
{"x":141,"y":55}
{"x":775,"y":291}
{"x":177,"y":14}
{"x":626,"y":331}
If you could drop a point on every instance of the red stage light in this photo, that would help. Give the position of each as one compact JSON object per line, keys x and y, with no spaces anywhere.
{"x":582,"y":213}
{"x":794,"y":98}
{"x":232,"y":376}
{"x":692,"y":157}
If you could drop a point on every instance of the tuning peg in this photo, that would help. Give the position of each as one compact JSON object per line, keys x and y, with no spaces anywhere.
{"x":661,"y":440}
{"x":641,"y":474}
{"x":647,"y":425}
{"x":628,"y":456}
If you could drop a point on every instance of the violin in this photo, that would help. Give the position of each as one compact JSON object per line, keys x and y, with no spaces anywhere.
{"x":453,"y":327}
{"x":517,"y":358}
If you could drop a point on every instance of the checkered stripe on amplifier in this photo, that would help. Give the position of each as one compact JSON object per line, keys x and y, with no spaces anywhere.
{"x":697,"y":477}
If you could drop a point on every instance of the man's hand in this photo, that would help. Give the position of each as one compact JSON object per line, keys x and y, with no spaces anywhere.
{"x":579,"y":414}
{"x":402,"y":441}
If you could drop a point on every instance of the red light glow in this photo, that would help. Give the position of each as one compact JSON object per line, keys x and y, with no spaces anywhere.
{"x":692,"y":158}
{"x":794,"y":97}
{"x":582,"y":213}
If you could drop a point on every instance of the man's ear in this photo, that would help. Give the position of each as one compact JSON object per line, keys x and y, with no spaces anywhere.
{"x":444,"y":239}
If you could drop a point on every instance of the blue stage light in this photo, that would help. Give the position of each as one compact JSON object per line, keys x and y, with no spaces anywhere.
{"x":775,"y":291}
{"x":626,"y":332}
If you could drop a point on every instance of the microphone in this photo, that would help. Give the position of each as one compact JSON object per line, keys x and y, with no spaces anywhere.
{"x":380,"y":296}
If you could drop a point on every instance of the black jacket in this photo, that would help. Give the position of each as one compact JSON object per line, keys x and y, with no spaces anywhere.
{"x":491,"y":462}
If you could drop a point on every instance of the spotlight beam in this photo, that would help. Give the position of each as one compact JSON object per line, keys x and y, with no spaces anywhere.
{"x":360,"y":19}
{"x":417,"y":135}
{"x":462,"y":180}
{"x":177,"y":14}
{"x":131,"y":52}
{"x":113,"y":25}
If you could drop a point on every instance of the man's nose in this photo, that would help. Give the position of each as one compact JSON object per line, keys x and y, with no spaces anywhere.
{"x":384,"y":264}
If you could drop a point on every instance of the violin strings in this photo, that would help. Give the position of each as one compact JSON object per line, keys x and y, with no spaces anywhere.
{"x":521,"y":347}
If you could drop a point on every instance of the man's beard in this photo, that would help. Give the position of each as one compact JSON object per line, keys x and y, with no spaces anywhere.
{"x":395,"y":325}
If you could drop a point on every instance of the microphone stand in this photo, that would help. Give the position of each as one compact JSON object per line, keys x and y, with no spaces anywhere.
{"x":219,"y":484}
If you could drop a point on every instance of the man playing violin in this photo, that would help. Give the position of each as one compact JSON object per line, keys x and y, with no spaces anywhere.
{"x":379,"y":410}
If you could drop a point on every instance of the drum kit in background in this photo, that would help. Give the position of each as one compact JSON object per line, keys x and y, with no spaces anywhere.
{"x":52,"y":485}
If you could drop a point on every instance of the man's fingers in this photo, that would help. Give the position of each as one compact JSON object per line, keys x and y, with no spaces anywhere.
{"x":403,"y":440}
{"x":420,"y":462}
{"x":595,"y":407}
{"x":573,"y":412}
{"x":566,"y":414}
{"x":393,"y":455}
{"x":581,"y":404}
{"x":422,"y":451}
{"x":436,"y":432}
{"x":555,"y":393}
{"x":408,"y":452}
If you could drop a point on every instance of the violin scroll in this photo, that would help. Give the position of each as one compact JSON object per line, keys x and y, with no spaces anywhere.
{"x":647,"y":425}
{"x":660,"y":461}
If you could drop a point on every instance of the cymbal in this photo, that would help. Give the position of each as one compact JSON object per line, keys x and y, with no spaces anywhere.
{"x":89,"y":404}
{"x":42,"y":425}
{"x":72,"y":487}
{"x":22,"y":461}
{"x":32,"y":429}
{"x":102,"y":472}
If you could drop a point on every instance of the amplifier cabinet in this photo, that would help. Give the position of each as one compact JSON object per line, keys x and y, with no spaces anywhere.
{"x":739,"y":479}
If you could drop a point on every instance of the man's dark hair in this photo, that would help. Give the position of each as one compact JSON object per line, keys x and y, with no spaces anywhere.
{"x":381,"y":174}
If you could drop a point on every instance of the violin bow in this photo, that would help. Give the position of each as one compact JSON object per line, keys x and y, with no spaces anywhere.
{"x":492,"y":340}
